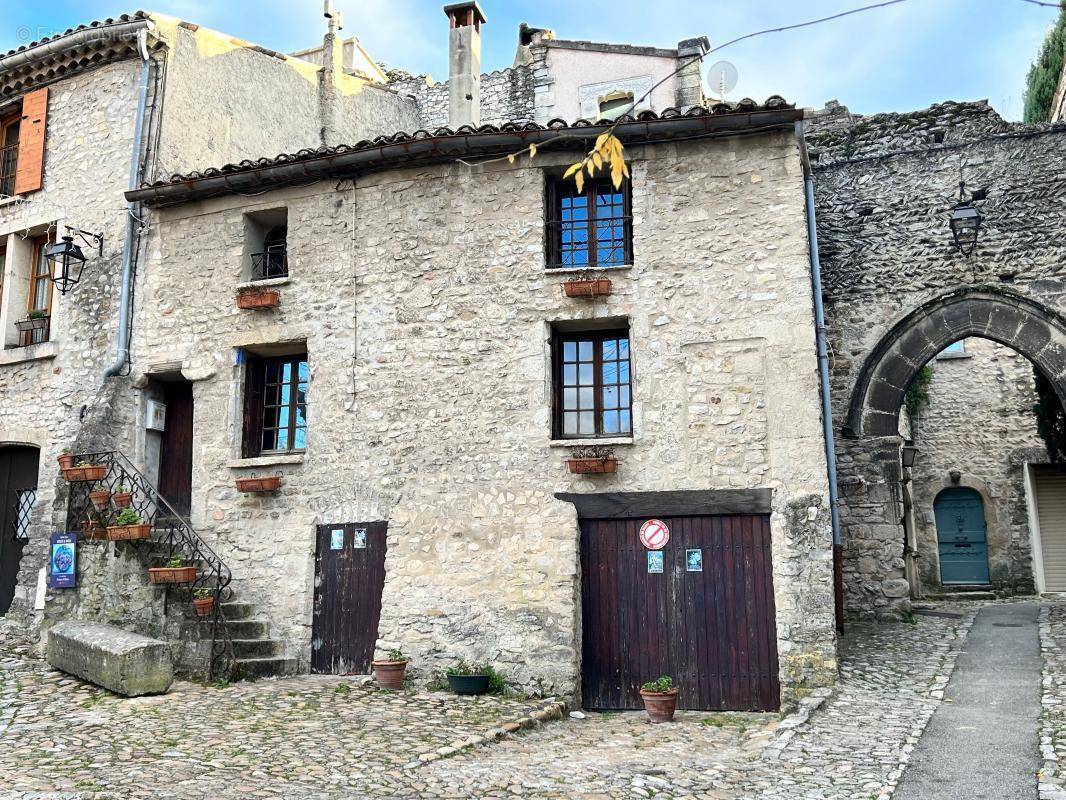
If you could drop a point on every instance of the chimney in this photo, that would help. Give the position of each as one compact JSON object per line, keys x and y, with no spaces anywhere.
{"x":329,"y":99}
{"x":464,"y":63}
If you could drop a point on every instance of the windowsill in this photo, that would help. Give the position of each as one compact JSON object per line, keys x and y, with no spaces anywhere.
{"x":953,"y":356}
{"x":31,"y":352}
{"x":616,"y":441}
{"x":277,"y":459}
{"x":263,"y":282}
{"x":5,"y":201}
{"x":575,"y":270}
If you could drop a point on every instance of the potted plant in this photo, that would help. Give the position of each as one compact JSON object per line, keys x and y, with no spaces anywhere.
{"x":259,"y":485}
{"x":127,"y":526}
{"x":596,"y":460}
{"x":203,"y":600}
{"x":66,"y":459}
{"x":100,"y":498}
{"x":587,"y":284}
{"x":84,"y":472}
{"x":660,"y":699}
{"x":121,"y":498}
{"x":258,"y":297}
{"x":389,"y":671}
{"x":94,"y":530}
{"x":36,"y":320}
{"x":175,"y":571}
{"x":464,"y":678}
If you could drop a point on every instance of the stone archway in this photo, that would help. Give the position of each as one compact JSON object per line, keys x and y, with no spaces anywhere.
{"x":876,"y":556}
{"x":1011,"y":319}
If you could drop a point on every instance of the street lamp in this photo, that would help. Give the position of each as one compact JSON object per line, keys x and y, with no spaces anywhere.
{"x":67,"y":258}
{"x":965,"y":222}
{"x":909,"y":455}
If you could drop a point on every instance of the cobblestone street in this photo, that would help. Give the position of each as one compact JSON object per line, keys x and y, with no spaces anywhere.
{"x":324,"y":737}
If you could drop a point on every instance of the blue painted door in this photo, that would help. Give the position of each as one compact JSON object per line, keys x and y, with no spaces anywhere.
{"x":960,"y":530}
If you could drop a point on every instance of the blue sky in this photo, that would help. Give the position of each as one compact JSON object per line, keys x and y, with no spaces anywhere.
{"x":894,"y":59}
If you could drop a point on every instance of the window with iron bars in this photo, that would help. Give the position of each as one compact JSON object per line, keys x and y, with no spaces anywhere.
{"x":590,"y":229}
{"x":273,"y":262}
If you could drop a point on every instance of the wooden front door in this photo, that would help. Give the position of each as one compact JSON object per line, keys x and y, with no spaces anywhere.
{"x":349,"y":578}
{"x":962,"y":541}
{"x":175,"y":455}
{"x":18,"y":492}
{"x":707,"y":619}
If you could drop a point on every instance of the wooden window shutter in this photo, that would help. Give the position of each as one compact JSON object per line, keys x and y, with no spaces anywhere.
{"x":252,"y":441}
{"x":30,"y":171}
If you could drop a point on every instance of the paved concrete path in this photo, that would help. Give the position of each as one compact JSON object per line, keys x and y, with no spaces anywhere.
{"x":982,"y":742}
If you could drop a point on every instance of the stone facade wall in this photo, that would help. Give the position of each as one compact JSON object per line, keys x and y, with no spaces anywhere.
{"x":979,"y":422}
{"x":506,"y":96}
{"x":422,"y":297}
{"x":884,"y":187}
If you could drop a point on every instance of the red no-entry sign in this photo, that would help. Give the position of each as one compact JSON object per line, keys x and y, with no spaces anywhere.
{"x":654,"y":534}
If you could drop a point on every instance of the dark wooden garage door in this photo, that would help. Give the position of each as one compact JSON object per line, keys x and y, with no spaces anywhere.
{"x":713,"y":631}
{"x":349,"y":578}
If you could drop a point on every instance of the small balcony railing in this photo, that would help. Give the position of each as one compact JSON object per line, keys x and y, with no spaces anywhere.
{"x":271,"y":263}
{"x":9,"y":157}
{"x":33,"y":330}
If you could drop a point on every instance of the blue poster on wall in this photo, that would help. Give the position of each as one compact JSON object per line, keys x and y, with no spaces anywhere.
{"x":63,"y":563}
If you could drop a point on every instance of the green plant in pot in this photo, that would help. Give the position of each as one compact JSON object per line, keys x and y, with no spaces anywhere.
{"x":660,"y":698}
{"x":465,"y":678}
{"x":203,"y":600}
{"x":66,"y":459}
{"x":389,"y":671}
{"x":128,"y":526}
{"x":122,"y":498}
{"x":174,"y":571}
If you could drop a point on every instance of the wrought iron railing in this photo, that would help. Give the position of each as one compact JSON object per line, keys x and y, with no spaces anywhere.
{"x":169,"y":529}
{"x":272,"y":263}
{"x":8,"y":163}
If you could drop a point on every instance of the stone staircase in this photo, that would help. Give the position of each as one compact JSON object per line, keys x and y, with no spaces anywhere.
{"x":255,"y":654}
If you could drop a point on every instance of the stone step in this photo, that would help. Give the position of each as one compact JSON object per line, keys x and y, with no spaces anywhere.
{"x":247,"y":629}
{"x":256,"y":648}
{"x":983,"y":596}
{"x":246,"y":668}
{"x":236,"y":611}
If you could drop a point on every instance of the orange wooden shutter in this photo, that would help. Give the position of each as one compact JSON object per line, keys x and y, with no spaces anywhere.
{"x":30,"y":171}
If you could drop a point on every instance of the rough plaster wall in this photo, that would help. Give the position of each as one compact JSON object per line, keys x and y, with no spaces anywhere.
{"x":506,"y":96}
{"x":425,"y":307}
{"x":886,"y":249}
{"x":980,"y":422}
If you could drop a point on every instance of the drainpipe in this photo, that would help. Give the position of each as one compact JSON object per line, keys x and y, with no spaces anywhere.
{"x":823,"y":371}
{"x":132,"y":215}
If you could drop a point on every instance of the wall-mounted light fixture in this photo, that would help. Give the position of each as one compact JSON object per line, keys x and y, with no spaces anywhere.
{"x":909,"y":455}
{"x":68,"y":259}
{"x":965,"y":222}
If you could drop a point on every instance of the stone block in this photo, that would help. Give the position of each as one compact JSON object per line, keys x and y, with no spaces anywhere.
{"x":122,"y":662}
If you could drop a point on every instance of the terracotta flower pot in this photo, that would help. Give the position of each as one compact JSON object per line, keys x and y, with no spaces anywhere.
{"x":171,"y":574}
{"x":596,"y":287}
{"x":389,"y":674}
{"x":258,"y":298}
{"x":129,"y":533}
{"x":100,"y":498}
{"x":94,"y":532}
{"x":204,"y":606}
{"x":592,"y":466}
{"x":66,"y":460}
{"x":122,"y":499}
{"x":660,"y":705}
{"x":267,"y":484}
{"x":87,"y":474}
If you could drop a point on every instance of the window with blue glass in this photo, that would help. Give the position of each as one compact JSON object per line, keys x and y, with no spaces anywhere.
{"x":276,"y":405}
{"x":592,"y":396}
{"x":589,"y":229}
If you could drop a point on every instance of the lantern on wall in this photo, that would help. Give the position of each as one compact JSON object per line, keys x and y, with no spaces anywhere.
{"x":909,"y":455}
{"x":965,"y":223}
{"x":68,"y":259}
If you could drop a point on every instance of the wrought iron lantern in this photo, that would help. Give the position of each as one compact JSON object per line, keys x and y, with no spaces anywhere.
{"x":965,"y":223}
{"x":68,"y":259}
{"x":909,"y":455}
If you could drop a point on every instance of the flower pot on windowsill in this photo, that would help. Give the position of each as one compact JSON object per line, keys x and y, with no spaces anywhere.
{"x":32,"y":324}
{"x":122,"y":499}
{"x":85,"y":474}
{"x":593,"y":287}
{"x":258,"y":298}
{"x":171,"y":574}
{"x":592,"y":466}
{"x":129,"y":533}
{"x":100,"y":498}
{"x":660,"y":705}
{"x":259,"y":485}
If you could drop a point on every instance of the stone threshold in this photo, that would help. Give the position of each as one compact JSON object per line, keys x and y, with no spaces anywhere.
{"x":547,"y":711}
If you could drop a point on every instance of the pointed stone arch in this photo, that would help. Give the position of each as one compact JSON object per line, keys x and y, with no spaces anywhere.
{"x":1011,"y":319}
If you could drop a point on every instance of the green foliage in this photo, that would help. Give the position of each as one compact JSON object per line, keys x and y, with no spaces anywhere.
{"x":496,"y":682}
{"x":917,"y":397}
{"x":37,"y":314}
{"x":662,"y":684}
{"x":395,"y":655}
{"x":203,"y":592}
{"x":176,"y":562}
{"x":127,"y":516}
{"x":1045,"y":72}
{"x":1050,"y":418}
